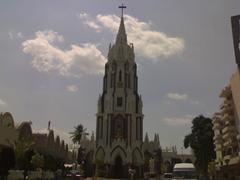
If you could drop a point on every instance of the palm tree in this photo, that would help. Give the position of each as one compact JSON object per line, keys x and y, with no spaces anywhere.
{"x":76,"y":137}
{"x":77,"y":134}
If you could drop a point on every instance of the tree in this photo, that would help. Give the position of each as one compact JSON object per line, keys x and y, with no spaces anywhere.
{"x":50,"y":162}
{"x":23,"y":153}
{"x":37,"y":160}
{"x":76,"y":137}
{"x":77,"y":134}
{"x":201,"y":142}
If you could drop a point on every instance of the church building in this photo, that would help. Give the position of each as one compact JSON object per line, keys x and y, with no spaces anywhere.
{"x":119,"y":123}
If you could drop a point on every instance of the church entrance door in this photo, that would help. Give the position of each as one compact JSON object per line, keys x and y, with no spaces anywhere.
{"x":118,"y":168}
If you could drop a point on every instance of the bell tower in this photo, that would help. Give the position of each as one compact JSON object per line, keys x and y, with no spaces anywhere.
{"x":119,"y":126}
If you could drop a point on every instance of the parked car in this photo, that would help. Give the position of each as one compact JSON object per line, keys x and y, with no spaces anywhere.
{"x":167,"y":176}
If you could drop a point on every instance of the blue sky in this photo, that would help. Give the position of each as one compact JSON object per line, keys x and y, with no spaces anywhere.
{"x":52,"y":55}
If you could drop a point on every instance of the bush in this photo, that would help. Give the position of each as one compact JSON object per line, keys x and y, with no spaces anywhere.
{"x":37,"y":160}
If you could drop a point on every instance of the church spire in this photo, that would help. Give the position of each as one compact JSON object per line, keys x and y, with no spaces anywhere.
{"x":146,"y":140}
{"x":121,"y":36}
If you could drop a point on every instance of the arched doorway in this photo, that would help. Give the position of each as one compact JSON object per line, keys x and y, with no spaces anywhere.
{"x":118,"y":167}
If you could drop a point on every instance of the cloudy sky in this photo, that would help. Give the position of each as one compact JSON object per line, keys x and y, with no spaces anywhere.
{"x":52,"y":55}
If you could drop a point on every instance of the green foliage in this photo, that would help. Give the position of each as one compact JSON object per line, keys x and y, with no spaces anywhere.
{"x":23,"y":146}
{"x":37,"y":160}
{"x":201,"y":142}
{"x":52,"y":163}
{"x":23,"y":152}
{"x":77,"y":134}
{"x":76,"y":137}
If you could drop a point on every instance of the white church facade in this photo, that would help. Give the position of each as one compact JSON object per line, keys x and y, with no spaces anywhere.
{"x":119,"y":126}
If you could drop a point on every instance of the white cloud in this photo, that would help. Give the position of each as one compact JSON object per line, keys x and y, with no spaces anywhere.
{"x":10,"y":35}
{"x":110,"y":22}
{"x":3,"y":103}
{"x":174,"y":121}
{"x":176,"y":96}
{"x":181,"y":97}
{"x":15,"y":35}
{"x":47,"y":56}
{"x":195,"y":102}
{"x":19,"y":35}
{"x":89,"y":22}
{"x":190,"y":116}
{"x":72,"y":88}
{"x":148,"y":43}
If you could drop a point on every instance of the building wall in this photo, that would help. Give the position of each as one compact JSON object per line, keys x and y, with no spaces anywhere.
{"x":48,"y":144}
{"x":235,"y":87}
{"x":8,"y":133}
{"x":44,"y":143}
{"x":226,"y":128}
{"x":8,"y":136}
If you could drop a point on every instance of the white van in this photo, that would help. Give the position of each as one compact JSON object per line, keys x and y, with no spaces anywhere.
{"x":184,"y":171}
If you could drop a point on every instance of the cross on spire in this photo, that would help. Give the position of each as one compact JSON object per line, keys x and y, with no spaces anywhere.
{"x":122,"y":7}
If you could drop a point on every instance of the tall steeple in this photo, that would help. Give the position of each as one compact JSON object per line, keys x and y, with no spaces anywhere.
{"x":121,"y":36}
{"x":119,"y":124}
{"x":121,"y":51}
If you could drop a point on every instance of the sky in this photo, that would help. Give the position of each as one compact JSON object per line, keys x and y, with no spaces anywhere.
{"x":52,"y":56}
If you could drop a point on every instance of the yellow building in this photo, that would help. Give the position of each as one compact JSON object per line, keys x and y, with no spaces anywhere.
{"x":45,"y":143}
{"x":226,"y":130}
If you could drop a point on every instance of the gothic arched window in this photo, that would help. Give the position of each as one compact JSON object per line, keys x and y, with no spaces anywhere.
{"x":120,"y":76}
{"x":118,"y":127}
{"x":112,"y":79}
